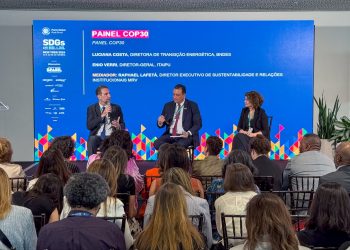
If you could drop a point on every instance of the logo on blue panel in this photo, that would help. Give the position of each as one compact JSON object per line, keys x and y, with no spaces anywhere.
{"x":45,"y":31}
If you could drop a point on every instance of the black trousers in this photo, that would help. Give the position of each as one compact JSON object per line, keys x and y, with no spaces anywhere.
{"x":185,"y":142}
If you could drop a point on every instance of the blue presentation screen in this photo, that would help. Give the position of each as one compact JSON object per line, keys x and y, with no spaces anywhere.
{"x":141,"y":62}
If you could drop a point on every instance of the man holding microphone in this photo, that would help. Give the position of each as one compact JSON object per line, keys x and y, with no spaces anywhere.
{"x":102,"y":118}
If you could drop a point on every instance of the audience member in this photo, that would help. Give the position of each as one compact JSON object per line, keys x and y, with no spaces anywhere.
{"x":269,"y":225}
{"x":212,"y":164}
{"x":329,"y":222}
{"x":310,"y":162}
{"x":51,"y":161}
{"x":122,"y":139}
{"x":175,"y":156}
{"x":46,"y":197}
{"x":260,"y":147}
{"x":12,"y":170}
{"x":16,"y":222}
{"x":195,"y":205}
{"x":66,"y":145}
{"x":342,"y":162}
{"x":111,"y":207}
{"x":81,"y":229}
{"x":169,"y":227}
{"x":125,"y":183}
{"x":239,"y":187}
{"x":235,"y":156}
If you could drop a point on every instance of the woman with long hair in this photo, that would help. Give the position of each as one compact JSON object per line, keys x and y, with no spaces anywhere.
{"x":112,"y":206}
{"x":269,"y":225}
{"x":52,"y":161}
{"x":329,"y":222}
{"x":169,"y":227}
{"x":122,"y":139}
{"x":239,"y":187}
{"x":125,"y":182}
{"x":16,"y":223}
{"x":195,"y":205}
{"x":175,"y":156}
{"x":45,"y":197}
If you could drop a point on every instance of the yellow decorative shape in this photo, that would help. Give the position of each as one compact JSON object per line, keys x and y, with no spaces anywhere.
{"x":49,"y":129}
{"x":143,"y":128}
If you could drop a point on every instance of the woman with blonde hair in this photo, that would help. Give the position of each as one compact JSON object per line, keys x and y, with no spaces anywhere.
{"x":12,"y":170}
{"x":195,"y":205}
{"x":269,"y":225}
{"x":112,"y":206}
{"x":16,"y":223}
{"x":169,"y":227}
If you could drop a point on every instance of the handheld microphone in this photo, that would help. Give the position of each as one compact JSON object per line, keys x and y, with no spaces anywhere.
{"x":108,"y":104}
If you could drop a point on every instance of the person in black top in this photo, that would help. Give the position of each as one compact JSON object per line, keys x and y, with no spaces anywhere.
{"x":260,"y":147}
{"x":252,"y":122}
{"x":45,"y":197}
{"x":329,"y":221}
{"x":66,"y":145}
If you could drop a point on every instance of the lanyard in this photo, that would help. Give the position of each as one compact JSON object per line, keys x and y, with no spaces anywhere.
{"x":179,"y":110}
{"x":79,"y":214}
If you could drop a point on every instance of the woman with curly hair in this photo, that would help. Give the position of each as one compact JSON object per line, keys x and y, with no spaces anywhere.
{"x":252,"y":122}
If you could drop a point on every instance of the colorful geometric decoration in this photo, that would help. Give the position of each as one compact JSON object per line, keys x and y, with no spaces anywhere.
{"x":144,"y":148}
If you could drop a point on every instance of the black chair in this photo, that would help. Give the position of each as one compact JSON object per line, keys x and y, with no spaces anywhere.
{"x":234,"y":235}
{"x":297,"y":201}
{"x":211,"y":198}
{"x":298,"y":221}
{"x":297,"y":182}
{"x":114,"y":219}
{"x":39,"y":221}
{"x":124,"y":197}
{"x":18,"y":184}
{"x":265,"y":183}
{"x":197,"y":221}
{"x":269,"y":119}
{"x":207,"y":179}
{"x":190,"y":151}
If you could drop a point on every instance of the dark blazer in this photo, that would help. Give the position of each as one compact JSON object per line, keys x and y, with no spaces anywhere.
{"x":259,"y":122}
{"x":94,"y":120}
{"x":191,"y":118}
{"x":341,"y":176}
{"x":266,"y":167}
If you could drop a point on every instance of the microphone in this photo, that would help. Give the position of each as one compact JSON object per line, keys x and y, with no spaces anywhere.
{"x":109,"y":113}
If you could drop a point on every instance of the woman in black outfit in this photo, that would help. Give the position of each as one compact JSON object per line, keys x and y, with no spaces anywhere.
{"x":252,"y":122}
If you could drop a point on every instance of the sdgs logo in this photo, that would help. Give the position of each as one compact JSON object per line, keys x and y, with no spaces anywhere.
{"x":46,"y":31}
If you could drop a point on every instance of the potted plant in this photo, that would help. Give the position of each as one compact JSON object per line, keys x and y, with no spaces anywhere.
{"x":326,"y":123}
{"x":342,"y":130}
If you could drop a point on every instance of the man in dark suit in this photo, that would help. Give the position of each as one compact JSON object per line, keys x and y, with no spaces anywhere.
{"x":342,"y":163}
{"x":102,"y":118}
{"x":182,"y":120}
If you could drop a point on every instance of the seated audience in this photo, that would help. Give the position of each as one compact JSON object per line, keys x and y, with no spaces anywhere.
{"x":195,"y":205}
{"x":16,"y":223}
{"x":82,"y":229}
{"x":111,"y":207}
{"x":329,"y":222}
{"x":175,"y":156}
{"x":212,"y":164}
{"x":260,"y":147}
{"x":342,"y":162}
{"x":45,"y":197}
{"x":235,"y":156}
{"x":122,"y":139}
{"x":310,"y":162}
{"x":66,"y":145}
{"x":125,"y":183}
{"x":51,"y":161}
{"x":239,"y":187}
{"x":269,"y":225}
{"x":169,"y":227}
{"x":12,"y":170}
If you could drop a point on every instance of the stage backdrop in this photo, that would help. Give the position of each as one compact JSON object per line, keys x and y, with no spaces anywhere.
{"x":141,"y":62}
